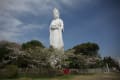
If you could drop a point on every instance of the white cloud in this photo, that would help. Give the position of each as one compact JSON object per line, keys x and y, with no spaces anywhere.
{"x":76,"y":3}
{"x":11,"y":26}
{"x":8,"y":27}
{"x":33,"y":26}
{"x":36,"y":7}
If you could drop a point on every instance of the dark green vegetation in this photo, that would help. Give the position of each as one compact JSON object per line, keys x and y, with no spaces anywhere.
{"x":32,"y":59}
{"x":111,"y":62}
{"x":90,"y":49}
{"x":32,"y":44}
{"x":84,"y":56}
{"x":100,"y":76}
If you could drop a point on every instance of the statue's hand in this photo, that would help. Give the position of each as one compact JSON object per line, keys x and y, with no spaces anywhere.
{"x":54,"y":28}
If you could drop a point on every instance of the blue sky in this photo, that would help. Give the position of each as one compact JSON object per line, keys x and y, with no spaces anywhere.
{"x":84,"y":21}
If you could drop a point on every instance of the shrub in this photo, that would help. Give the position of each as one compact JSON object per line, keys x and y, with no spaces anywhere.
{"x":9,"y":71}
{"x":32,"y":44}
{"x":47,"y":71}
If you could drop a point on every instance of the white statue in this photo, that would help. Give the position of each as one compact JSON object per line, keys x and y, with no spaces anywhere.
{"x":56,"y":29}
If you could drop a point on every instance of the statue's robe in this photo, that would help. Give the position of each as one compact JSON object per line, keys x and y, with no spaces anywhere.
{"x":56,"y":28}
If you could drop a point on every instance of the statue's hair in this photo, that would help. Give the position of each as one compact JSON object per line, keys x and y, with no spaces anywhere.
{"x":56,"y":10}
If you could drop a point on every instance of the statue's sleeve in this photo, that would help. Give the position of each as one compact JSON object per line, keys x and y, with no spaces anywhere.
{"x":62,"y":25}
{"x":50,"y":27}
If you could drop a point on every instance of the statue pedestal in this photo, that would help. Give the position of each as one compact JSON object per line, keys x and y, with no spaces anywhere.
{"x":56,"y":58}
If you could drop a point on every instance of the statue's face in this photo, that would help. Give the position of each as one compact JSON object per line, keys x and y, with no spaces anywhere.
{"x":56,"y":13}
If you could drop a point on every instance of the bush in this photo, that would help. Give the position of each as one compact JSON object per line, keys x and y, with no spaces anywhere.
{"x":41,"y":73}
{"x":10,"y":71}
{"x":32,"y":44}
{"x":48,"y":72}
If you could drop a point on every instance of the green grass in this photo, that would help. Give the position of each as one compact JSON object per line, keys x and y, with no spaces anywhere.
{"x":100,"y":76}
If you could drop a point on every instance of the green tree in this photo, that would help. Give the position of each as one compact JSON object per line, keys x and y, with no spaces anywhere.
{"x":32,"y":44}
{"x":111,"y":62}
{"x":74,"y":61}
{"x":8,"y":52}
{"x":3,"y":52}
{"x":90,"y":49}
{"x":84,"y":55}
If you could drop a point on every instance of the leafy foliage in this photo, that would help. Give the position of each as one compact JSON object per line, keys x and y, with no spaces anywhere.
{"x":4,"y":51}
{"x":111,"y":62}
{"x":90,"y":49}
{"x":33,"y":56}
{"x":32,"y":44}
{"x":84,"y":55}
{"x":9,"y":71}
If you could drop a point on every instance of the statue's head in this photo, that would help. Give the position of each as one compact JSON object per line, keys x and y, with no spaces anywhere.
{"x":56,"y":13}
